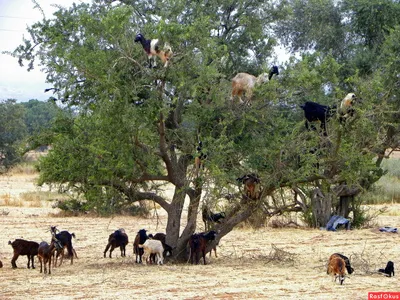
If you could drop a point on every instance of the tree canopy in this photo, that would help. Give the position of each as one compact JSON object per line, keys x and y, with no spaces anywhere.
{"x":137,"y":128}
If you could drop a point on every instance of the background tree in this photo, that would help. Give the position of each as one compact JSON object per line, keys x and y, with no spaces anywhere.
{"x":12,"y":133}
{"x":138,"y":128}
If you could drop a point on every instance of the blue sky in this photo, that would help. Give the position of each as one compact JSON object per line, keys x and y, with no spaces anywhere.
{"x":15,"y":81}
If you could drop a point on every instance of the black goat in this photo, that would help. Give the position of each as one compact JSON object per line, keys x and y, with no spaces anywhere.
{"x":1,"y":264}
{"x":317,"y":112}
{"x":389,"y":270}
{"x":140,"y":239}
{"x":117,"y":239}
{"x":199,"y":159}
{"x":198,"y":243}
{"x":65,"y":239}
{"x":209,"y":217}
{"x":23,"y":247}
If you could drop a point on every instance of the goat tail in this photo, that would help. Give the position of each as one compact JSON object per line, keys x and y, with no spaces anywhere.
{"x":73,"y":235}
{"x":9,"y":242}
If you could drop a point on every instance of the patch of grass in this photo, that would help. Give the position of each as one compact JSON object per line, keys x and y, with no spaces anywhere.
{"x":7,"y":200}
{"x":23,"y":168}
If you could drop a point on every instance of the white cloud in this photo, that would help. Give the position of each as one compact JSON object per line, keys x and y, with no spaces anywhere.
{"x":15,"y":15}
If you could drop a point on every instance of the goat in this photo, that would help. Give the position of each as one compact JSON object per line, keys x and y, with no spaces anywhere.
{"x":45,"y":253}
{"x":152,"y":49}
{"x":117,"y":239}
{"x":251,"y":185}
{"x":198,"y":243}
{"x":349,"y":269}
{"x":140,"y":238}
{"x":346,"y":109}
{"x":65,"y":238}
{"x":60,"y":252}
{"x":151,"y":246}
{"x":245,"y":83}
{"x":23,"y":247}
{"x":1,"y":264}
{"x":317,"y":112}
{"x":389,"y":270}
{"x":162,"y":237}
{"x":198,"y":161}
{"x":337,"y":267}
{"x":209,"y":217}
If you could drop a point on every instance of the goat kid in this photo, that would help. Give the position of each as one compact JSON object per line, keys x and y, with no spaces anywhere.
{"x":167,"y":249}
{"x":389,"y":270}
{"x":117,"y":239}
{"x":23,"y":247}
{"x":198,"y":243}
{"x":153,"y":49}
{"x":245,"y":83}
{"x":337,"y":268}
{"x":152,"y":247}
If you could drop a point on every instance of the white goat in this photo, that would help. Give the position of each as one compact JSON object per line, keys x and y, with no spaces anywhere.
{"x":346,"y":109}
{"x":245,"y":83}
{"x":153,"y":246}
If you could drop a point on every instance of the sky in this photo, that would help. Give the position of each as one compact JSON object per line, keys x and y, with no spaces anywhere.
{"x":15,"y":81}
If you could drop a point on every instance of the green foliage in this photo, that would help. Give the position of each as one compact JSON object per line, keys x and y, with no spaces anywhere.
{"x":12,"y":132}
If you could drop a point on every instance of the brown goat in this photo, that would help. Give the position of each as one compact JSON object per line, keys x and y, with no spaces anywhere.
{"x":45,"y":253}
{"x":337,"y":267}
{"x":198,"y":243}
{"x":23,"y":247}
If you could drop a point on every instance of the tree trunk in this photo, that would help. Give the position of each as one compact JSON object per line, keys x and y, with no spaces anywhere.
{"x":344,"y":206}
{"x":321,"y":207}
{"x":174,"y":217}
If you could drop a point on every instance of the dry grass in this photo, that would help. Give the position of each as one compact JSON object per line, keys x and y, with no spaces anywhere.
{"x":267,"y":263}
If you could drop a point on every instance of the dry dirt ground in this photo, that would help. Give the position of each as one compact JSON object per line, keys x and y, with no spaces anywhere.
{"x":284,"y":263}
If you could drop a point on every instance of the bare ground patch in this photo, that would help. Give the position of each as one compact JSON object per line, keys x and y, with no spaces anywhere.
{"x":279,"y":263}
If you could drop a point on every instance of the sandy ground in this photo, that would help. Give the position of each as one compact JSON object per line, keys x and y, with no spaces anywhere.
{"x":286,"y":263}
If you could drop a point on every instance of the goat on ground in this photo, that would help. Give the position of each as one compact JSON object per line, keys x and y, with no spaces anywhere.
{"x":314,"y":112}
{"x":65,"y":238}
{"x":245,"y":83}
{"x":153,"y":48}
{"x":167,"y":249}
{"x":198,"y":243}
{"x":151,"y":246}
{"x":349,"y":269}
{"x":337,"y":267}
{"x":117,"y":239}
{"x":23,"y":247}
{"x":251,"y":185}
{"x":346,"y":109}
{"x":60,"y":252}
{"x":140,"y":238}
{"x":1,"y":264}
{"x":45,"y":253}
{"x":209,"y":217}
{"x":389,"y":270}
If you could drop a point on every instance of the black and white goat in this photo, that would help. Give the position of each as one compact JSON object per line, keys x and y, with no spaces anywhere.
{"x":153,"y":48}
{"x":346,"y":109}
